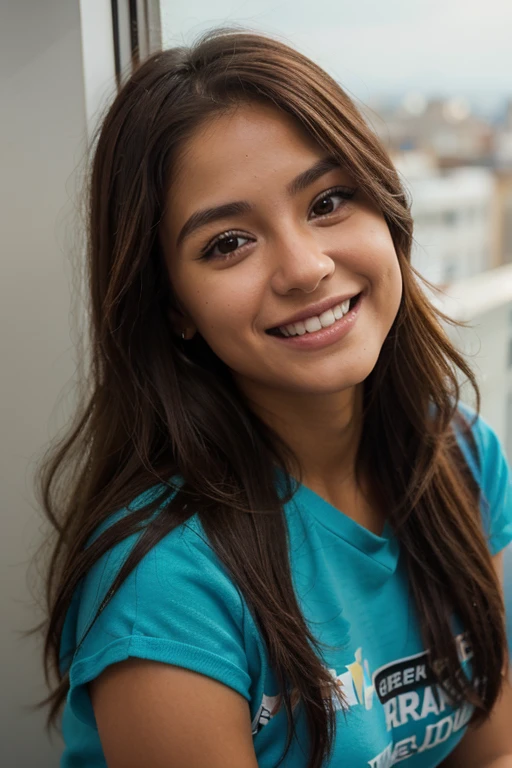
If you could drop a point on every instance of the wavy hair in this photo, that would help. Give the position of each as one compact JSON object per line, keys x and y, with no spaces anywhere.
{"x":154,"y":408}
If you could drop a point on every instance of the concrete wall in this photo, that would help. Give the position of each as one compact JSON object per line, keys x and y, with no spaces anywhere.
{"x":42,"y":142}
{"x":483,"y":303}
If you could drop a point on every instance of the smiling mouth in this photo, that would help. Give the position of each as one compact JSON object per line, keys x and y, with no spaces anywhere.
{"x":315,"y":323}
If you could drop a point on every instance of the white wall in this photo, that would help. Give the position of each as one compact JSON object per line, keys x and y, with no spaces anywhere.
{"x":42,"y":144}
{"x":97,"y":57}
{"x":484,"y":303}
{"x":487,"y":344}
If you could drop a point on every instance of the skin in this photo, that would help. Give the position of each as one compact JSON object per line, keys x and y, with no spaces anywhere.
{"x":288,"y":258}
{"x":163,"y":716}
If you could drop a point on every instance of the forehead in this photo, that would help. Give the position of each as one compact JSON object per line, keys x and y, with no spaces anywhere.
{"x":250,"y":145}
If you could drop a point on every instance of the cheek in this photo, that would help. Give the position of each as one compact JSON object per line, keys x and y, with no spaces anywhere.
{"x":382,"y":269}
{"x":384,"y":258}
{"x":391,"y":274}
{"x":225,"y":301}
{"x":389,"y":288}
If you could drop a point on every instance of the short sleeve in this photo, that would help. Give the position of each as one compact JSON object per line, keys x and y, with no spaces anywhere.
{"x":494,"y":478}
{"x":178,"y":606}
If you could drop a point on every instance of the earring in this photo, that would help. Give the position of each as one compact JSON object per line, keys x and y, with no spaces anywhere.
{"x":183,"y":335}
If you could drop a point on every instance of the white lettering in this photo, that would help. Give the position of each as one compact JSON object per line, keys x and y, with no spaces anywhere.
{"x":384,"y":760}
{"x":436,"y":733}
{"x":404,"y":749}
{"x":391,"y":714}
{"x":429,"y":703}
{"x":394,"y":681}
{"x":408,"y":675}
{"x":408,"y":705}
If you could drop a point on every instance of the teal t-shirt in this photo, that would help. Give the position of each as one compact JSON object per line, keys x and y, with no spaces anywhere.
{"x":180,"y":607}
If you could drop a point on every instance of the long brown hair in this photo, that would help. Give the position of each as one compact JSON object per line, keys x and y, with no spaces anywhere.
{"x":155,"y":408}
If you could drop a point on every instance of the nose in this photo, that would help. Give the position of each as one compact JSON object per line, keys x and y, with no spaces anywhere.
{"x":300,"y":263}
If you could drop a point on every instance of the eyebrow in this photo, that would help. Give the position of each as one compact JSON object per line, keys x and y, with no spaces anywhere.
{"x":208,"y":215}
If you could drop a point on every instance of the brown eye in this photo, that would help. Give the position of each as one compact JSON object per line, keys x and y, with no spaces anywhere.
{"x":225,"y":246}
{"x":323,"y":206}
{"x":228,"y":244}
{"x":330,"y":201}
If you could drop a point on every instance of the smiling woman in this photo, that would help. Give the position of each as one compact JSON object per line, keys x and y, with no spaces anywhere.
{"x":303,"y":240}
{"x":276,"y":510}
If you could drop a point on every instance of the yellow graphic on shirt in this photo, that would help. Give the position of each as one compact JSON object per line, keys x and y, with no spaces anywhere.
{"x":356,"y":670}
{"x":356,"y":684}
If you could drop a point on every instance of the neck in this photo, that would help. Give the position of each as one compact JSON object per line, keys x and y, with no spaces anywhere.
{"x":323,"y":431}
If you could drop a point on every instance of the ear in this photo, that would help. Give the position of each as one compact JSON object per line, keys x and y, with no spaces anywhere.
{"x":181,"y":322}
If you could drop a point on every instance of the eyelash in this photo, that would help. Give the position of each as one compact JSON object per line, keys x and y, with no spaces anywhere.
{"x":207,"y":251}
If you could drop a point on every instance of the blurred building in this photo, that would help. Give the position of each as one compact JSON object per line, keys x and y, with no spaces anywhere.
{"x":445,"y":128}
{"x":454,"y":229}
{"x":457,"y":165}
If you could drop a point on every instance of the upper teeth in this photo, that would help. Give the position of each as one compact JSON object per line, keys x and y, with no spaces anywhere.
{"x":316,"y":322}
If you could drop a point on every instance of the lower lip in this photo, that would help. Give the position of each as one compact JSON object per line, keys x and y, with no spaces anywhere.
{"x":325,"y":336}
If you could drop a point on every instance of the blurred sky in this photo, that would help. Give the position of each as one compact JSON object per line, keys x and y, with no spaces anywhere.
{"x":372,"y":47}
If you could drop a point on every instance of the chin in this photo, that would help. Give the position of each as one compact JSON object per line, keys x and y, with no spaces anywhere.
{"x":325,"y":387}
{"x":339,"y":375}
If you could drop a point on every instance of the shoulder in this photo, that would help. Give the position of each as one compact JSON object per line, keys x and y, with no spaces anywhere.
{"x":486,"y":457}
{"x":177,"y":542}
{"x":178,"y":605}
{"x":180,"y":565}
{"x":480,"y":445}
{"x":487,"y":441}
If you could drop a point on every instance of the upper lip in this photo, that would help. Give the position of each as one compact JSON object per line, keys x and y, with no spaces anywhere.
{"x":315,"y":309}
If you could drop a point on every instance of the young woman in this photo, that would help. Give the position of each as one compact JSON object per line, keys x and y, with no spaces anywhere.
{"x":278,"y":529}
